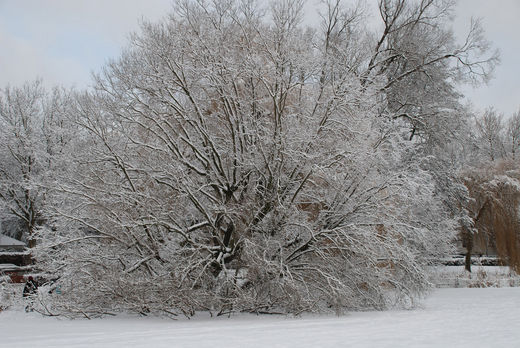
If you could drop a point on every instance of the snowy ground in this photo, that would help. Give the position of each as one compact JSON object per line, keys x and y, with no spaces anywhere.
{"x":480,"y":277}
{"x":467,"y":317}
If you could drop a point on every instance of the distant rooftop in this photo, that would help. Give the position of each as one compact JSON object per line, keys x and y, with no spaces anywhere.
{"x":8,"y":241}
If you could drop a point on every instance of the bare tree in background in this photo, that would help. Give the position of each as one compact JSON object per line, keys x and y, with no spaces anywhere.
{"x":30,"y":138}
{"x":490,"y":128}
{"x":513,"y":133}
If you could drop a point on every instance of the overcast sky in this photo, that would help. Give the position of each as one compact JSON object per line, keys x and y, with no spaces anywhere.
{"x":63,"y":41}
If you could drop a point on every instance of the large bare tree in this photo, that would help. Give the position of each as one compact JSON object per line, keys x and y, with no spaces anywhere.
{"x":237,"y":161}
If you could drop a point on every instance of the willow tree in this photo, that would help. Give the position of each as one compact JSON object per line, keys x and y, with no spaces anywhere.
{"x":495,"y":192}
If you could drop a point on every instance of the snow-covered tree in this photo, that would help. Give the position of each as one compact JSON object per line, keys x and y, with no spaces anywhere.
{"x":490,"y":130}
{"x":31,"y":136}
{"x":513,"y":134}
{"x":235,"y":162}
{"x":423,"y":64}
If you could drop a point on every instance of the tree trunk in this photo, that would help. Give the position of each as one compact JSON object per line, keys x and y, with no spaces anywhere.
{"x":469,"y":249}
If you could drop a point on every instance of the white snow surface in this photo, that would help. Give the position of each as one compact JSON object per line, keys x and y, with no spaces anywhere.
{"x":465,"y":317}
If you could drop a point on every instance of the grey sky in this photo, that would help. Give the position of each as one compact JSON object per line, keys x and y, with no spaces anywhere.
{"x":62,"y":41}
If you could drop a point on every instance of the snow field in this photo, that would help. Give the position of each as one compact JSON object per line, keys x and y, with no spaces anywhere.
{"x":480,"y":277}
{"x":465,"y":317}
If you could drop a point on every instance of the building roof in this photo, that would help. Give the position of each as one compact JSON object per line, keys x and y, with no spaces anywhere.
{"x":6,"y":241}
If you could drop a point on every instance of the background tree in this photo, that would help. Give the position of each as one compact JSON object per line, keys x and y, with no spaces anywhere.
{"x":495,"y":201}
{"x":490,"y":129}
{"x":415,"y":53}
{"x":489,"y":173}
{"x":423,"y":66}
{"x":422,"y":63}
{"x":513,"y":134}
{"x":30,"y":140}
